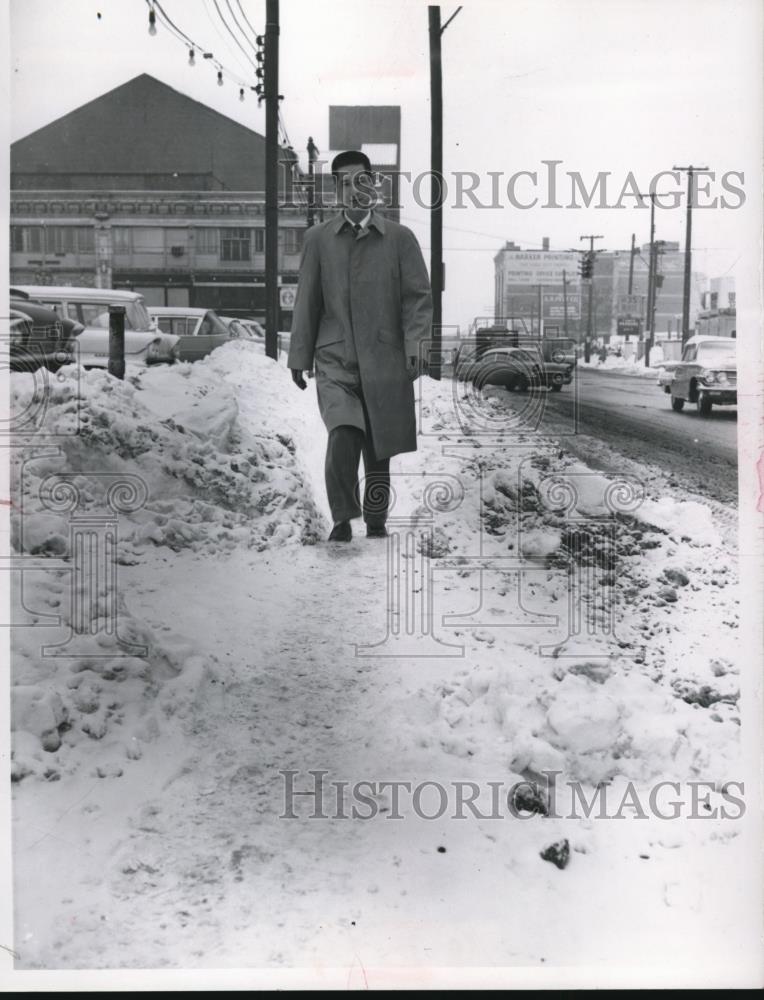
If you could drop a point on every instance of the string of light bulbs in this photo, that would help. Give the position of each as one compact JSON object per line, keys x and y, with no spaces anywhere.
{"x":156,"y":8}
{"x":158,"y":13}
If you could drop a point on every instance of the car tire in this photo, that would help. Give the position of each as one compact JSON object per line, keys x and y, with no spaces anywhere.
{"x":522,"y":383}
{"x":703,"y":404}
{"x":556,"y":386}
{"x":677,"y":405}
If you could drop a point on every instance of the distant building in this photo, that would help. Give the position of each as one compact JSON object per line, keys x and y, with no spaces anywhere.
{"x":145,"y":188}
{"x":529,"y":283}
{"x":718,"y":317}
{"x":546,"y":282}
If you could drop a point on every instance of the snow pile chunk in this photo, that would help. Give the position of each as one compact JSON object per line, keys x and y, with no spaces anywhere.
{"x":102,"y":688}
{"x":681,"y":519}
{"x":583,"y":717}
{"x":211,"y":479}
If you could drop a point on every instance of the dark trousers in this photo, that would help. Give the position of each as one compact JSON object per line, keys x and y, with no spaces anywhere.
{"x":343,"y":453}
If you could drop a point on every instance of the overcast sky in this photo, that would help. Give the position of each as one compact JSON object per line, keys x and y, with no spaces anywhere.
{"x":601,"y":85}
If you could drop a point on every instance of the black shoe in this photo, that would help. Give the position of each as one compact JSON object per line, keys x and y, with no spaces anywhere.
{"x":341,"y":532}
{"x":376,"y":531}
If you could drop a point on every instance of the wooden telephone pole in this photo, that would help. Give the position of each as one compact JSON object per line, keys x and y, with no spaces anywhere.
{"x":437,"y":267}
{"x":271,"y":178}
{"x":589,"y":317}
{"x":688,"y":253}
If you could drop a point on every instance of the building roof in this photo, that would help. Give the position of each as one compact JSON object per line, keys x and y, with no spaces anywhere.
{"x":142,"y":128}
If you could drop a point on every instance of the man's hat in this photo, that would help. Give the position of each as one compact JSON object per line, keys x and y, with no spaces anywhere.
{"x":348,"y":157}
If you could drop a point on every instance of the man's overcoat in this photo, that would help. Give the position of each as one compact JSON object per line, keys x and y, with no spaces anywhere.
{"x":363,"y":305}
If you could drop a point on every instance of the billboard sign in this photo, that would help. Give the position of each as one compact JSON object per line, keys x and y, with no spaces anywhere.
{"x":629,"y":327}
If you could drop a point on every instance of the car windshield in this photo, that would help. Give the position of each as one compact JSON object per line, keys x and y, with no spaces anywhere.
{"x":213,"y":325}
{"x":97,"y":314}
{"x":716,"y":350}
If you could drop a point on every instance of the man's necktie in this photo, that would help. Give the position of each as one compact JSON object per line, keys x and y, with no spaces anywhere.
{"x":356,"y":228}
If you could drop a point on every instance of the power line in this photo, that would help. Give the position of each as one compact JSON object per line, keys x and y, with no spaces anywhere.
{"x":194,"y":46}
{"x":221,"y":36}
{"x":170,"y":22}
{"x":228,"y":29}
{"x":241,"y":9}
{"x":236,"y":22}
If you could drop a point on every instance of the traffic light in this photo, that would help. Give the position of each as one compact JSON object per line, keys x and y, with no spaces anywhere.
{"x":586,"y":265}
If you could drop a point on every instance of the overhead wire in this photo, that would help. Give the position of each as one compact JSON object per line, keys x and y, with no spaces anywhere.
{"x":243,"y":32}
{"x":193,"y":45}
{"x":222,"y":37}
{"x":246,"y":19}
{"x":227,"y":26}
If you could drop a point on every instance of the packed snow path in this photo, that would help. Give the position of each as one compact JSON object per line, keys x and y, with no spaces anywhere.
{"x":180,"y":855}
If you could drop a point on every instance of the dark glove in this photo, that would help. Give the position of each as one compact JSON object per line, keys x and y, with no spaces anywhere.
{"x":297,"y":378}
{"x":415,"y":367}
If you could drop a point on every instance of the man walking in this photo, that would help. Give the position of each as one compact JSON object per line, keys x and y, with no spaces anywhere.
{"x":363,"y":306}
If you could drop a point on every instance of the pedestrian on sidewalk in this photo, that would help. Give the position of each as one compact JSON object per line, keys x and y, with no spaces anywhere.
{"x":363,"y":308}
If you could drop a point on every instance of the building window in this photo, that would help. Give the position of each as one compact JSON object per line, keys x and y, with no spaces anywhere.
{"x":61,"y":239}
{"x":292,"y":240}
{"x":148,"y":240}
{"x":206,"y":241}
{"x":17,"y":239}
{"x":32,"y":238}
{"x":259,"y":241}
{"x":85,"y":239}
{"x":235,"y":244}
{"x":120,"y":236}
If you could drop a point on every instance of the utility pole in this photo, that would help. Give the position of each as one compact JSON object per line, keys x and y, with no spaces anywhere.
{"x":437,"y":268}
{"x":687,"y":253}
{"x":564,"y":303}
{"x":650,"y":318}
{"x":631,"y":263}
{"x":650,"y":308}
{"x":541,"y":311}
{"x":590,"y":275}
{"x":312,"y":154}
{"x":271,"y":178}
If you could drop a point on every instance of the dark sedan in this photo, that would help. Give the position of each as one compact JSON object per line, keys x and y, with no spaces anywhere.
{"x":515,"y":368}
{"x":39,"y":338}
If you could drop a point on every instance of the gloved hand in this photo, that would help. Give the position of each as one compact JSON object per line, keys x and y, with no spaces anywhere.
{"x":415,"y":367}
{"x":297,"y":378}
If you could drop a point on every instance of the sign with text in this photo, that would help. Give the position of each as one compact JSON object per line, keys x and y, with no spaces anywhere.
{"x":629,"y":327}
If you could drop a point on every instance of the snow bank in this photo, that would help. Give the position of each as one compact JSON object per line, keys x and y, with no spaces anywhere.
{"x":626,"y":366}
{"x":209,"y":481}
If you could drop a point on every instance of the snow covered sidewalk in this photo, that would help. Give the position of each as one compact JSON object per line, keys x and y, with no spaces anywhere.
{"x":157,"y":793}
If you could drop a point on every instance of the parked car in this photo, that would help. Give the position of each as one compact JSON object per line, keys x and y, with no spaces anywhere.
{"x":236,"y":328}
{"x":255,"y":331}
{"x":199,"y":331}
{"x":706,"y":375}
{"x":39,"y":339}
{"x":89,"y":307}
{"x":255,"y":328}
{"x":516,"y":368}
